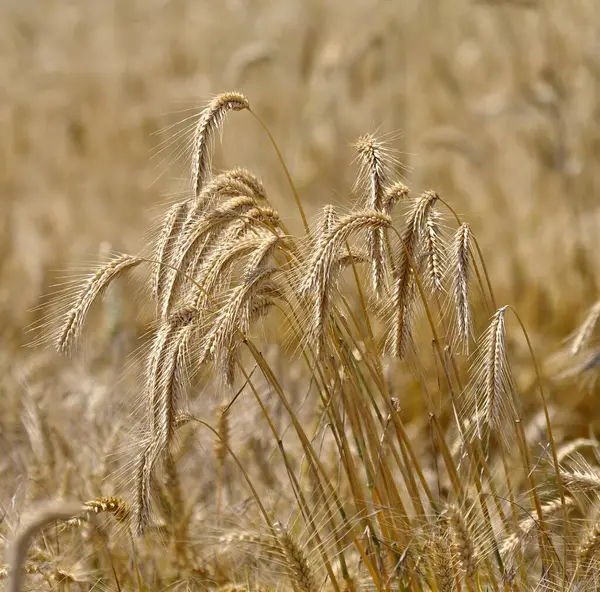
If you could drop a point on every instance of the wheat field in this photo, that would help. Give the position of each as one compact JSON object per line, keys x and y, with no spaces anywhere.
{"x":300,"y":295}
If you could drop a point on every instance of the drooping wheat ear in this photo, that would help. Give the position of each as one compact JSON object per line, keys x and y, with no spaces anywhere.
{"x":490,"y":395}
{"x":404,"y":289}
{"x":589,"y":545}
{"x":584,"y":333}
{"x":103,"y":505}
{"x":373,"y":168}
{"x":328,"y":219}
{"x":460,"y":268}
{"x":251,"y":181}
{"x":195,"y":241}
{"x":165,"y":376}
{"x":209,"y":123}
{"x":165,"y":245}
{"x":462,"y":543}
{"x":322,"y":266}
{"x":234,"y":317}
{"x":215,"y":270}
{"x":585,"y":480}
{"x":95,"y":285}
{"x":574,"y":446}
{"x":393,"y":194}
{"x":17,"y":551}
{"x":233,"y":183}
{"x":299,"y":571}
{"x":526,"y":526}
{"x":442,"y":563}
{"x":434,"y":251}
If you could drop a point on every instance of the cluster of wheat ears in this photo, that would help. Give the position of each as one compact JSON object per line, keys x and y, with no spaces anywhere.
{"x":347,"y":489}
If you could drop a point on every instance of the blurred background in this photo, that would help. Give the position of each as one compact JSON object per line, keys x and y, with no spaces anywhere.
{"x":493,"y":104}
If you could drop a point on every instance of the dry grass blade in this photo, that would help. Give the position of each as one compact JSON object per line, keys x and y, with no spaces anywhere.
{"x":208,"y":125}
{"x":96,"y":284}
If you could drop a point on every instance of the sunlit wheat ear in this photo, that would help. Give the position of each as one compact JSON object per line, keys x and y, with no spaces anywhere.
{"x":589,"y":545}
{"x":373,"y":168}
{"x":165,"y":377}
{"x":404,"y":288}
{"x":328,"y":218}
{"x":442,"y":563}
{"x":194,"y":243}
{"x":209,"y":123}
{"x":322,"y":266}
{"x":394,"y":194}
{"x":584,"y":333}
{"x":299,"y":570}
{"x":434,"y":252}
{"x":460,"y":270}
{"x":215,"y":272}
{"x":103,"y":505}
{"x":232,"y":319}
{"x":509,"y":546}
{"x":251,"y":181}
{"x":581,"y":477}
{"x":462,"y":542}
{"x":95,"y":285}
{"x":165,"y":245}
{"x":490,"y":395}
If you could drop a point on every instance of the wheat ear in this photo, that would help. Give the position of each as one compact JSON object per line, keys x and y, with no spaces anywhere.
{"x":584,"y":333}
{"x":209,"y":123}
{"x":404,"y":289}
{"x":525,"y":527}
{"x":165,"y":244}
{"x":373,"y":167}
{"x":491,"y":390}
{"x":323,"y":265}
{"x":462,"y":543}
{"x":298,"y":567}
{"x":95,"y":285}
{"x":460,"y":267}
{"x":195,"y":242}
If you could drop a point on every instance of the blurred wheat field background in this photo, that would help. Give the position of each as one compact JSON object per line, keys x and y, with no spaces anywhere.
{"x":494,"y":105}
